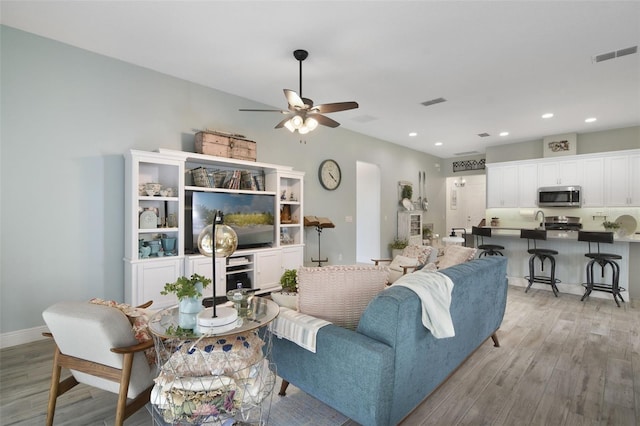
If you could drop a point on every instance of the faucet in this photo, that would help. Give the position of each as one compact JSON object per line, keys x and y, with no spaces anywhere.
{"x":536,"y":218}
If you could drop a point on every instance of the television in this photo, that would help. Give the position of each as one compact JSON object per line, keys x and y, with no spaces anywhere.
{"x":251,"y":215}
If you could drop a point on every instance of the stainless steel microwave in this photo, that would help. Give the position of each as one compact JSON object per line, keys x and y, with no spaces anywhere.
{"x":560,"y":196}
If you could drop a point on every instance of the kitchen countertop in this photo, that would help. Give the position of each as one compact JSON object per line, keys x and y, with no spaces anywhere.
{"x":500,"y":231}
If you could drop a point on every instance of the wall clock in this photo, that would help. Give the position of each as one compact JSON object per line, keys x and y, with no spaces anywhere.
{"x":329,"y":174}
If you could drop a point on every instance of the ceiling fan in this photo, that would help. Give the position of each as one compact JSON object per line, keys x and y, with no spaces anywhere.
{"x":302,"y":115}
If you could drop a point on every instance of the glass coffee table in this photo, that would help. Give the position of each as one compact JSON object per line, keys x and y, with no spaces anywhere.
{"x":213,"y":377}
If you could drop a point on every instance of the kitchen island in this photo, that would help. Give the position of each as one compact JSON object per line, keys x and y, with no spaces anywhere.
{"x":570,"y":261}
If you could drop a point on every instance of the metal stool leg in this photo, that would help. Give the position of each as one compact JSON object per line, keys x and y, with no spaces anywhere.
{"x":553,"y":275}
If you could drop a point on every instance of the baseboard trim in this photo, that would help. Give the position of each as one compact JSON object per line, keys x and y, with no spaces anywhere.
{"x":20,"y":337}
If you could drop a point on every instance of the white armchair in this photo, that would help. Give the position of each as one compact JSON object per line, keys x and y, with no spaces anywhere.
{"x":98,"y":345}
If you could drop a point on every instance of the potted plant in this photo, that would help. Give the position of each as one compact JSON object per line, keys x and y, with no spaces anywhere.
{"x":426,"y":235}
{"x":397,"y":246}
{"x":288,"y":296}
{"x":611,"y":226}
{"x":407,"y":192}
{"x":189,"y":293}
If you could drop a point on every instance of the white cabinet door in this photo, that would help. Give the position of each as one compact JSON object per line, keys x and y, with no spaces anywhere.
{"x":268,"y":266}
{"x":203,"y":266}
{"x":292,"y":257}
{"x":617,"y":180}
{"x":593,"y":182}
{"x":634,"y":180}
{"x":559,"y":173}
{"x":149,"y":278}
{"x":527,"y":185}
{"x":502,"y":186}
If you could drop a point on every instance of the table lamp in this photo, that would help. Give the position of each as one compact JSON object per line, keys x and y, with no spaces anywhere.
{"x":217,"y":240}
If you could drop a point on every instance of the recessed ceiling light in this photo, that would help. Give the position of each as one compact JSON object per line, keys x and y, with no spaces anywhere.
{"x":412,"y":134}
{"x":547,"y":115}
{"x":590,"y":120}
{"x":438,"y":144}
{"x":504,"y":133}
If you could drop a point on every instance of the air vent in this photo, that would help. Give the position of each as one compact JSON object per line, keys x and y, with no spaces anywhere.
{"x":434,"y":101}
{"x":467,"y":153}
{"x":615,"y":54}
{"x":484,"y":135}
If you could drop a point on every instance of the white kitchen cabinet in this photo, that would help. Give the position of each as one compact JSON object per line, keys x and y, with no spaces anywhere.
{"x":527,"y":185}
{"x":502,"y":186}
{"x":593,"y":182}
{"x":562,"y":172}
{"x":622,"y":180}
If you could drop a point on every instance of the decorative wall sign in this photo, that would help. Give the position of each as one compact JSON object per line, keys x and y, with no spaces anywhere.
{"x":461,"y":166}
{"x":553,"y":146}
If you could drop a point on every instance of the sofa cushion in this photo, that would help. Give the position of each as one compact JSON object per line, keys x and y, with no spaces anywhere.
{"x":339,"y":294}
{"x":454,"y":255}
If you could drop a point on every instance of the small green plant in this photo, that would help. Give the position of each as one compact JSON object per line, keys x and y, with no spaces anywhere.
{"x":399,"y":244}
{"x":289,"y":281}
{"x":610,"y":225}
{"x":407,"y":192}
{"x":186,"y":287}
{"x":426,"y":232}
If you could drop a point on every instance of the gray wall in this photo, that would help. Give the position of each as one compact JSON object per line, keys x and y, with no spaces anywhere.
{"x":587,"y":143}
{"x":68,"y":116}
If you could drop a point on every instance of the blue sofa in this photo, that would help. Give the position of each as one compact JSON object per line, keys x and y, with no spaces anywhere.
{"x":377,"y":374}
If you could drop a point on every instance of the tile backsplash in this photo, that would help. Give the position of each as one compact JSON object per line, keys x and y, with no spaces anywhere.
{"x":591,"y":218}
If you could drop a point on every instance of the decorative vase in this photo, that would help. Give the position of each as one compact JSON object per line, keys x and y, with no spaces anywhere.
{"x":188,"y":310}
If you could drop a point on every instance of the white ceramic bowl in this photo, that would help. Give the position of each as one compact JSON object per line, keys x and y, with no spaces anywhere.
{"x":153,"y":187}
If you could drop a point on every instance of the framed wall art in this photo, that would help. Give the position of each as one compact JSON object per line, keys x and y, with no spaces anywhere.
{"x":554,"y":146}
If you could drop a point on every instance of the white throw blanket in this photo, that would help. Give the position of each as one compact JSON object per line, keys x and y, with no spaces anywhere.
{"x":297,"y":327}
{"x":434,"y":290}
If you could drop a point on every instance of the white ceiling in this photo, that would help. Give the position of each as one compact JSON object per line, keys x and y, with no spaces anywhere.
{"x":500,"y":65}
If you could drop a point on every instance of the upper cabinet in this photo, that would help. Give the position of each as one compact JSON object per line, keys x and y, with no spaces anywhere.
{"x":555,"y":173}
{"x":502,"y":186}
{"x":527,"y":185}
{"x":622,"y":180}
{"x":607,"y":179}
{"x":593,"y":182}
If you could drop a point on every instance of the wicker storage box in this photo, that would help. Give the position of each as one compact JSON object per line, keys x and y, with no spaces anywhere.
{"x":225,"y":146}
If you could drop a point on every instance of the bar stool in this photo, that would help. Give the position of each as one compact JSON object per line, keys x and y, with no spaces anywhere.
{"x":487,"y":249}
{"x":542,"y":255}
{"x":602,"y":259}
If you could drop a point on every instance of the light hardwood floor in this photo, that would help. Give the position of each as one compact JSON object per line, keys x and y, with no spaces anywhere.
{"x":561,"y":362}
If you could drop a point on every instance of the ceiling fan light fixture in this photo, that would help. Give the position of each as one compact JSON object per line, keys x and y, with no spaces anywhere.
{"x":303,"y":130}
{"x":289,"y":126}
{"x":296,"y":121}
{"x":311,"y":123}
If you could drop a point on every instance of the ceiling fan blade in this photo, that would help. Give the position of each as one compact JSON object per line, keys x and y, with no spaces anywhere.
{"x":294,"y":99}
{"x":335,"y":107}
{"x":325,"y":121}
{"x":265,"y":110}
{"x":280,"y":125}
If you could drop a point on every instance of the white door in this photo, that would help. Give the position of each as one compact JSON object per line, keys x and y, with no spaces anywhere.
{"x":367,"y":212}
{"x":467,"y":207}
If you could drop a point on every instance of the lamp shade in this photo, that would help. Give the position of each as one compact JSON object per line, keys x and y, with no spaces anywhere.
{"x":226,"y":241}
